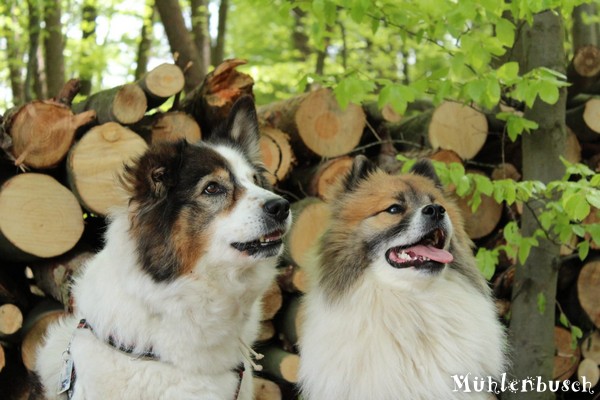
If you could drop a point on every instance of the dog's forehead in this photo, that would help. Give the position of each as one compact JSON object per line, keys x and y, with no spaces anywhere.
{"x":238,"y":163}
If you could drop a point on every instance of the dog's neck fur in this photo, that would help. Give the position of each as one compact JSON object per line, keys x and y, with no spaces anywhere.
{"x":212,"y":322}
{"x":401,"y":344}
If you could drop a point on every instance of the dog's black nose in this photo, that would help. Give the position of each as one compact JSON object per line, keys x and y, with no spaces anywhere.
{"x":277,"y":208}
{"x":434,"y":211}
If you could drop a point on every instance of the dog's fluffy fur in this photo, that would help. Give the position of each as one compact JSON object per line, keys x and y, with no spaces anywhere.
{"x":387,"y":320}
{"x":182,"y":273}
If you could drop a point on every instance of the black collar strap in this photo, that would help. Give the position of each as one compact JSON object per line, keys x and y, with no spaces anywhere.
{"x":146,"y":355}
{"x":149,"y":355}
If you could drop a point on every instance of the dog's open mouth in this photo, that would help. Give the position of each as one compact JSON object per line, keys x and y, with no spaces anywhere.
{"x":427,"y":253}
{"x":266,"y":246}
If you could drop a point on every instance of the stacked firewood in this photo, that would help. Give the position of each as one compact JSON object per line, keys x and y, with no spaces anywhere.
{"x":63,"y":156}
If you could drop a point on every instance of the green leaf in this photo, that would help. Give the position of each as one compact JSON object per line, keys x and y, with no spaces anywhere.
{"x":576,"y":206}
{"x":541,"y":303}
{"x":593,"y":197}
{"x":352,"y":90}
{"x":548,"y":92}
{"x":476,"y":89}
{"x":563,"y":320}
{"x":524,"y":250}
{"x":487,"y":261}
{"x":483,"y":184}
{"x":508,"y":72}
{"x":505,"y":32}
{"x":576,"y":332}
{"x":583,"y":249}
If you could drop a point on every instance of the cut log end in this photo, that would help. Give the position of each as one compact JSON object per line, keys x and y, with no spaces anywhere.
{"x":39,"y":216}
{"x":455,"y":126}
{"x":130,"y":104}
{"x":42,"y":133}
{"x":587,"y":290}
{"x":174,"y":126}
{"x":588,"y":371}
{"x":591,"y":114}
{"x":11,"y":319}
{"x":325,"y":128}
{"x":266,"y":390}
{"x":97,"y":160}
{"x":276,"y":153}
{"x":587,"y":61}
{"x":311,"y":219}
{"x":34,"y":337}
{"x":566,"y":358}
{"x":271,"y":302}
{"x":165,"y":80}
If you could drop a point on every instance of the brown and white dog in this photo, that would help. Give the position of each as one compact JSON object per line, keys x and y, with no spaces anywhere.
{"x":398,"y":307}
{"x":169,"y":307}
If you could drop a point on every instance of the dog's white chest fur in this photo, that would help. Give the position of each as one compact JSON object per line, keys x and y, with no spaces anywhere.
{"x":386,"y":343}
{"x":191,"y":325}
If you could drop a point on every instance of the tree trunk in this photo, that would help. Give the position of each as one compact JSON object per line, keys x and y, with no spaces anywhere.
{"x":35,"y":81}
{"x":88,"y":43}
{"x":219,"y":49}
{"x":14,"y":58}
{"x":53,"y":45}
{"x":145,"y":40}
{"x":200,"y":23}
{"x":181,"y":42}
{"x":584,"y":34}
{"x":531,"y":326}
{"x":300,"y":39}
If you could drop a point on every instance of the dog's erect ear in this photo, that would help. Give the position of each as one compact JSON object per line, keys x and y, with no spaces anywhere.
{"x":362,"y":167}
{"x":242,"y":127}
{"x":425,"y":168}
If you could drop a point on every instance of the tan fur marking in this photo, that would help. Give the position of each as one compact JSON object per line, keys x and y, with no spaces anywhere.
{"x":189,"y":243}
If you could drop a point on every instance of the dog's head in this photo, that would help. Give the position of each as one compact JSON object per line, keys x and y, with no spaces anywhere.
{"x":206,"y":205}
{"x":400,"y":228}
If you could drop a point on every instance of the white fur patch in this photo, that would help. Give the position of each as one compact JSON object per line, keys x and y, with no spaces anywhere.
{"x":195,"y":323}
{"x":388,"y":343}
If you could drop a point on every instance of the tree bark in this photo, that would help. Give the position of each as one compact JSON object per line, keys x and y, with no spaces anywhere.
{"x":200,"y":23}
{"x":35,"y":77}
{"x":218,"y":54}
{"x":54,"y":45}
{"x":14,"y":58}
{"x":584,"y":34}
{"x":145,"y":40}
{"x":181,"y":42}
{"x":88,"y":42}
{"x":531,"y":326}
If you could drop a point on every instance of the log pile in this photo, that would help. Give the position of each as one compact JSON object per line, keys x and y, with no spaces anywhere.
{"x":57,"y":184}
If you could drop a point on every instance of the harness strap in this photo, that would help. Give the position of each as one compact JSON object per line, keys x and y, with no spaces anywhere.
{"x":147,"y":354}
{"x":150,"y":355}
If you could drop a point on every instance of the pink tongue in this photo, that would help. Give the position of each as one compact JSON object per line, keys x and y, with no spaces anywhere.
{"x":439,"y":255}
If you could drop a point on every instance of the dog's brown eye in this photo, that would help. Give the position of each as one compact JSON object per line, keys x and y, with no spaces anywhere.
{"x":213,"y":188}
{"x":395,"y":209}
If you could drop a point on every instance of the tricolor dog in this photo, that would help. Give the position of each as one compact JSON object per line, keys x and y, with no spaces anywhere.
{"x":398,"y":306}
{"x":171,"y":305}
